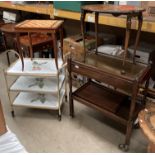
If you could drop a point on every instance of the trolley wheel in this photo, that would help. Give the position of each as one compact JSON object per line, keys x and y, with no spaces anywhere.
{"x":72,"y":115}
{"x":13,"y":113}
{"x":59,"y":117}
{"x":124,"y":147}
{"x":66,"y":98}
{"x":136,"y":126}
{"x":123,"y":72}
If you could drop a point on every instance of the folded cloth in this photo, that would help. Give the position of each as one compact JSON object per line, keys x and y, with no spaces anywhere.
{"x":9,"y":143}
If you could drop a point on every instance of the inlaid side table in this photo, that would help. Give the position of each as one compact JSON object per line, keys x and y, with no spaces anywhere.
{"x":41,"y":26}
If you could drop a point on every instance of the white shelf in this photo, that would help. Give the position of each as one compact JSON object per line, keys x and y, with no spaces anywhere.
{"x":37,"y":84}
{"x":37,"y":67}
{"x":30,"y":100}
{"x":31,"y":84}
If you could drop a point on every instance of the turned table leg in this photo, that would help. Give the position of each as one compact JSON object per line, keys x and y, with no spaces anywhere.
{"x":96,"y":30}
{"x":140,"y":22}
{"x":71,"y":105}
{"x":127,"y":37}
{"x":83,"y":15}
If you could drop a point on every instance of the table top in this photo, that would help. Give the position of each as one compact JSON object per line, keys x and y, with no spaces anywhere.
{"x":8,"y":28}
{"x":30,"y":25}
{"x":113,"y":9}
{"x":113,"y":65}
{"x":147,"y":122}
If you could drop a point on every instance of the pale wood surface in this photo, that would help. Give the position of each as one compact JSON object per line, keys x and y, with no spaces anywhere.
{"x":39,"y":24}
{"x":35,"y":8}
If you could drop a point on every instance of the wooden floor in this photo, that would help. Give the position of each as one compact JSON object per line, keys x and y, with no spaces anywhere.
{"x":89,"y":131}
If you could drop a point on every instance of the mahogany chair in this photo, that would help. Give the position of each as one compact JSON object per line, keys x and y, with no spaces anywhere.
{"x":37,"y":42}
{"x":34,"y":42}
{"x":8,"y":34}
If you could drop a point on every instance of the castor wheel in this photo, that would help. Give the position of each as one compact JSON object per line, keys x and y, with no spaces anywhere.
{"x":66,"y":98}
{"x":59,"y":117}
{"x":124,"y":147}
{"x":136,"y":126}
{"x":71,"y":115}
{"x":13,"y":113}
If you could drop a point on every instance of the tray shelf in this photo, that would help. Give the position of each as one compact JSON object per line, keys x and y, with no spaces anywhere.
{"x":31,"y":100}
{"x":40,"y":85}
{"x":114,"y":104}
{"x":40,"y":67}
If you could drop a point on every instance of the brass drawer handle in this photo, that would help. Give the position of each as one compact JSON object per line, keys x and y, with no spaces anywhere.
{"x":77,"y":67}
{"x":72,"y":47}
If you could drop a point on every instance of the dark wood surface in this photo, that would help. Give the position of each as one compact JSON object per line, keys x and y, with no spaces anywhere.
{"x":129,"y":11}
{"x":96,"y":97}
{"x":110,"y":9}
{"x":100,"y":96}
{"x":8,"y":28}
{"x":36,"y":39}
{"x":2,"y":23}
{"x":113,"y":65}
{"x":9,"y":35}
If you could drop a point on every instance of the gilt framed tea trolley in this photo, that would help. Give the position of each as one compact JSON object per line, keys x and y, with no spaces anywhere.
{"x":40,"y":82}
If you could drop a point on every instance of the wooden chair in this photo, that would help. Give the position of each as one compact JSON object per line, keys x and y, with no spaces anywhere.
{"x":9,"y":34}
{"x":36,"y":42}
{"x":147,"y":123}
{"x":30,"y":42}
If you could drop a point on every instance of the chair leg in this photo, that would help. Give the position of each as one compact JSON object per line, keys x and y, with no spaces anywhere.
{"x":8,"y":59}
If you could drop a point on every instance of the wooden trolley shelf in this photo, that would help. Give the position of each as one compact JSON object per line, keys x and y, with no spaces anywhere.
{"x":99,"y":96}
{"x":106,"y":100}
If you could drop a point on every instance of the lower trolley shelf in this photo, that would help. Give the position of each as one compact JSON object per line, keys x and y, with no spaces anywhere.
{"x":38,"y":100}
{"x":112,"y":103}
